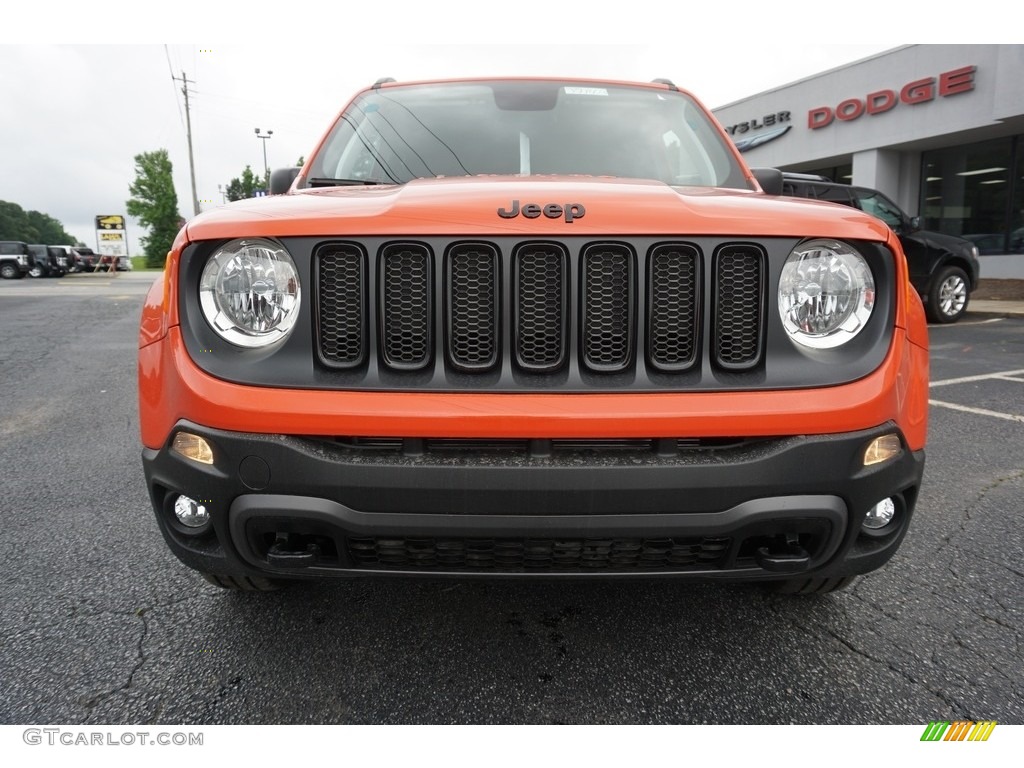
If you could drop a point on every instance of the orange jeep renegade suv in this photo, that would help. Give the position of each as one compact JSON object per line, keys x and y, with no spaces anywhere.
{"x":533,"y":328}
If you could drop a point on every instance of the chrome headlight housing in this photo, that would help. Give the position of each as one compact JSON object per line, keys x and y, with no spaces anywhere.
{"x":826,"y":294}
{"x":250,"y":293}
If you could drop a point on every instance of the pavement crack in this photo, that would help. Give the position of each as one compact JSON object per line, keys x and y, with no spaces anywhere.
{"x":154,"y":718}
{"x":954,"y":706}
{"x":92,"y":703}
{"x":994,"y":620}
{"x":1014,"y":571}
{"x":856,"y":594}
{"x":966,"y":516}
{"x":140,"y":648}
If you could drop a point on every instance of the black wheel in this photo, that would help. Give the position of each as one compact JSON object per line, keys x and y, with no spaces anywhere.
{"x":243,"y":583}
{"x":809,"y":585}
{"x":36,"y":271}
{"x":9,"y":271}
{"x":948,"y":295}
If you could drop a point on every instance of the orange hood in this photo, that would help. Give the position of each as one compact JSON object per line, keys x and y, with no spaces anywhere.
{"x":469,"y":206}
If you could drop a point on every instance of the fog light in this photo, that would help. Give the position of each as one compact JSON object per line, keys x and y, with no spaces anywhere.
{"x":192,"y":447}
{"x":880,"y":515}
{"x":190,"y":512}
{"x":881,"y":449}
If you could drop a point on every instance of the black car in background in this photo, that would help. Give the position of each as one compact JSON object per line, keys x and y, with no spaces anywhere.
{"x":944,"y":269}
{"x":66,"y":258}
{"x":44,"y":262}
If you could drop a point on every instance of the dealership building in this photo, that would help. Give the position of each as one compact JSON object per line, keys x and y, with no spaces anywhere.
{"x":937,"y":128}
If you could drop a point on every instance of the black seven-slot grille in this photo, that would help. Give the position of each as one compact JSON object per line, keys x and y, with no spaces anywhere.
{"x":393,"y":292}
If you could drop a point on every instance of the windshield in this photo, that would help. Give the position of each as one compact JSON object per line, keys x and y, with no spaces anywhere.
{"x":881,"y":207}
{"x":396,"y":134}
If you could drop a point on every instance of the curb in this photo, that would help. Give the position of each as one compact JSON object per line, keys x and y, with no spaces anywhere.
{"x":995,"y":307}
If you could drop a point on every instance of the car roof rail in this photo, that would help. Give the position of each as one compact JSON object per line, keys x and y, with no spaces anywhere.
{"x":665,"y":81}
{"x":384,"y":80}
{"x":806,"y":177}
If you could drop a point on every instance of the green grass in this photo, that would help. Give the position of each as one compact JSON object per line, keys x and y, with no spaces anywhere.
{"x":139,"y":264}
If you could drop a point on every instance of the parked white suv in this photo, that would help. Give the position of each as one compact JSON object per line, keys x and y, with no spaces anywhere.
{"x":14,"y":259}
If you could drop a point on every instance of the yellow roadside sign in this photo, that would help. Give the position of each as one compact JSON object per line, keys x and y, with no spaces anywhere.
{"x":111,"y":237}
{"x":110,"y":222}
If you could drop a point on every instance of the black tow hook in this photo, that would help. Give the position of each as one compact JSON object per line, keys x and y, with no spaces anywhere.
{"x":290,"y":551}
{"x":784,"y":554}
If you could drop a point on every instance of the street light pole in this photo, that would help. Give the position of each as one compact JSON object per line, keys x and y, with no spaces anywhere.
{"x":266,"y":168}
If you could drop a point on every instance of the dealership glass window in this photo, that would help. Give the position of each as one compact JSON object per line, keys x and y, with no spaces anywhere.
{"x":841,"y":173}
{"x":1016,"y":244}
{"x":967,"y":191}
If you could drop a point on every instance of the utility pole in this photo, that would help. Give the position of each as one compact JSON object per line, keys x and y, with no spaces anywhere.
{"x":188,"y":132}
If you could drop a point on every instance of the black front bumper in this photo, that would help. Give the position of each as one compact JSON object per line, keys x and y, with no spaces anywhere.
{"x":294,"y":507}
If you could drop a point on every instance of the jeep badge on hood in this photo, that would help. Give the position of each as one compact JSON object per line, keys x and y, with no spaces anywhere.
{"x":571,"y":211}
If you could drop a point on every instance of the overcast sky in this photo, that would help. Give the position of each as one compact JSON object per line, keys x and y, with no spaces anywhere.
{"x":74,"y":115}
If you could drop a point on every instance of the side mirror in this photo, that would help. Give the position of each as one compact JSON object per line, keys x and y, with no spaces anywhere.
{"x":914,"y":223}
{"x":281,"y":180}
{"x":770,"y":180}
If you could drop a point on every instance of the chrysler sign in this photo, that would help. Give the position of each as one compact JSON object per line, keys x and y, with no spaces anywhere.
{"x":915,"y":92}
{"x":777,"y":121}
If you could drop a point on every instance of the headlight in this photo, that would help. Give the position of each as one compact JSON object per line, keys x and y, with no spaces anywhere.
{"x":826,"y":294}
{"x":249,"y":292}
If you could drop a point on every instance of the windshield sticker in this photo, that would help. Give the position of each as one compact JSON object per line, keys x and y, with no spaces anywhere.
{"x":574,"y":91}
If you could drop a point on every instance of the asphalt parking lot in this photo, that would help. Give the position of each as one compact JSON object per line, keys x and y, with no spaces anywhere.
{"x":101,"y":625}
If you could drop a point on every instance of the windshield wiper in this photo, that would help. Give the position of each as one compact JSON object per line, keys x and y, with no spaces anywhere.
{"x":344,"y":182}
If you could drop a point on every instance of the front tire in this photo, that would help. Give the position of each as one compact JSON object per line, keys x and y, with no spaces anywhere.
{"x":36,"y":271}
{"x":9,"y":271}
{"x":948,"y":295}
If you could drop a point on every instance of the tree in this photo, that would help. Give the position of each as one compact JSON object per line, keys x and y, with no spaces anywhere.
{"x":31,"y":226}
{"x":14,"y":222}
{"x":155,"y":204}
{"x":50,"y":230}
{"x":244,"y":186}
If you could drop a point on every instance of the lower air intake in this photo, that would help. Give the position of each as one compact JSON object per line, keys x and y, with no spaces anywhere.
{"x":537,"y":555}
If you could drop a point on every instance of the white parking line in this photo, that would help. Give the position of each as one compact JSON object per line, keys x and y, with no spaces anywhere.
{"x":977,"y":411}
{"x":998,"y":375}
{"x":932,"y":326}
{"x":980,"y":377}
